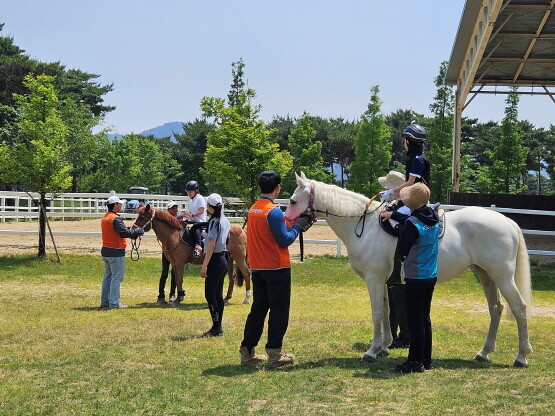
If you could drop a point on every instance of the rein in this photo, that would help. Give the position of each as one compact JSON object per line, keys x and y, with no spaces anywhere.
{"x":134,"y":244}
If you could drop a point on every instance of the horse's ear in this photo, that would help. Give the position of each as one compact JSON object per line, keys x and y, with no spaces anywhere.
{"x":141,"y":204}
{"x":301,"y":180}
{"x":147,"y":207}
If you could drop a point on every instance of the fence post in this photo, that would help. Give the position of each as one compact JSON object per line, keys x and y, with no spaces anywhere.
{"x":338,"y":248}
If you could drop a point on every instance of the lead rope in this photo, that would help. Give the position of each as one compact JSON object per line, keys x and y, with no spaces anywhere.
{"x":135,"y":248}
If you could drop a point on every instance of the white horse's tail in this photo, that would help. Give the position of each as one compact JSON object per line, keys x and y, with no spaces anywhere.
{"x":522,"y":273}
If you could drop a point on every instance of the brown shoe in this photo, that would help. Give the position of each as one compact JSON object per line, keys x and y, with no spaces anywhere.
{"x":250,"y":358}
{"x":277,"y":358}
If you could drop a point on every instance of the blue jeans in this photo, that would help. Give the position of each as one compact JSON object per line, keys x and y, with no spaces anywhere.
{"x":113,"y":276}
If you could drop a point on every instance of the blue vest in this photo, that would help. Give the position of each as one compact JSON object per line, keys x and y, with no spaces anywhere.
{"x":421,"y":263}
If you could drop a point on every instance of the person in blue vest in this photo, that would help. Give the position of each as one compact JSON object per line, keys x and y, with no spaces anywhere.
{"x":417,"y":247}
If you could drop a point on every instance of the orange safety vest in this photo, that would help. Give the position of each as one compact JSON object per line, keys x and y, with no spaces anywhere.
{"x":264,"y":251}
{"x":110,"y":238}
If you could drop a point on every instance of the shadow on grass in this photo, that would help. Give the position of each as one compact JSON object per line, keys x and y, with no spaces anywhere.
{"x":147,"y":305}
{"x":383,"y":369}
{"x":8,"y":261}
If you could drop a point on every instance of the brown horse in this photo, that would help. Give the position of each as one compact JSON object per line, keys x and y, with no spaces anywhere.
{"x":168,"y":231}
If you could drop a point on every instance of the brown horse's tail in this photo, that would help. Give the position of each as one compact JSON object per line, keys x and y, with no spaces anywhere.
{"x":239,"y":278}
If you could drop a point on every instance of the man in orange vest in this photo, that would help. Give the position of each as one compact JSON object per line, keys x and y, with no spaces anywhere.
{"x":267,"y":242}
{"x":114,"y":234}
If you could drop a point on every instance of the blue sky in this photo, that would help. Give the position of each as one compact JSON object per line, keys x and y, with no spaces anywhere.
{"x":300,"y":55}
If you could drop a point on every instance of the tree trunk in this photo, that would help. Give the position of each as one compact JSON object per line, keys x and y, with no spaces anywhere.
{"x":42,"y":226}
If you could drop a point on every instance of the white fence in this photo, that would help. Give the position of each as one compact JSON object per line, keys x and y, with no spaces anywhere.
{"x":20,"y":206}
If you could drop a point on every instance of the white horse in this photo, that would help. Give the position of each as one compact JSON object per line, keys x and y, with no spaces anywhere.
{"x":487,"y":240}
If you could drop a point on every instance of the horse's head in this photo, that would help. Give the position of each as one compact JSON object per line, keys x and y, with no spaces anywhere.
{"x":145,"y":214}
{"x":301,"y":200}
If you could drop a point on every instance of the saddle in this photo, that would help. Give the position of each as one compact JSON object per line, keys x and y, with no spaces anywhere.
{"x":187,"y":235}
{"x":394,"y":232}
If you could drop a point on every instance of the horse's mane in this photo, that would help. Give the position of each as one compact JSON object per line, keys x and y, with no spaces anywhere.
{"x":168,"y":218}
{"x":339,"y":201}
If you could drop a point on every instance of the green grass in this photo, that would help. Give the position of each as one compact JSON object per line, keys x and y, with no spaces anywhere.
{"x":60,"y":355}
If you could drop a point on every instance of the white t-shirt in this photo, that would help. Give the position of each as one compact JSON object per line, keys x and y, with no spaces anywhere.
{"x":194,"y":205}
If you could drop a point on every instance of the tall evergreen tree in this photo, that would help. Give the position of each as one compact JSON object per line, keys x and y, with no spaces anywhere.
{"x":306,"y":154}
{"x":372,"y":149}
{"x":509,"y":155}
{"x":440,"y":137}
{"x":239,"y":149}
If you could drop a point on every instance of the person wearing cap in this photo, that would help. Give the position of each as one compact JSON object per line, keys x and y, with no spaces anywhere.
{"x":114,"y":234}
{"x":196,"y":214}
{"x":397,"y":214}
{"x":267,"y":244}
{"x":172,"y":208}
{"x":214,"y":266}
{"x":417,"y":247}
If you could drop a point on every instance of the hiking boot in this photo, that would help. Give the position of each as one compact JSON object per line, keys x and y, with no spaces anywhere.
{"x":427,"y":364}
{"x":172,"y":298}
{"x":250,"y":358}
{"x":410,"y":367}
{"x":213,"y":333}
{"x":161,"y":299}
{"x":277,"y":358}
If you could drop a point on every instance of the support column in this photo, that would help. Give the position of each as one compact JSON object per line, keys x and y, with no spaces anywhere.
{"x":456,"y":168}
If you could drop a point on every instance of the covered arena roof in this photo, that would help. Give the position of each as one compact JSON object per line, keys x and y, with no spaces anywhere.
{"x":504,"y":43}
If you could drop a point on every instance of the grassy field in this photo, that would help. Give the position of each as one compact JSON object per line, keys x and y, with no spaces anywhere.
{"x":60,"y":355}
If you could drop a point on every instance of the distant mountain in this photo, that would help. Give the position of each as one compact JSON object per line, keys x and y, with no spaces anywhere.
{"x":165,"y":130}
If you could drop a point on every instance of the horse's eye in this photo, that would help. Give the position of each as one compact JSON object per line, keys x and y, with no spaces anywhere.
{"x":292,"y":202}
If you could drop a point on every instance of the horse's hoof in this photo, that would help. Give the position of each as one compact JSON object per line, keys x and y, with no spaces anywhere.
{"x":367,"y":359}
{"x":481,"y":358}
{"x":520,"y":364}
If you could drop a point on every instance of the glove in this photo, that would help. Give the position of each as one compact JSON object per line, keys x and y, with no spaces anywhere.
{"x":386,"y":195}
{"x":304,"y":221}
{"x":140,"y":231}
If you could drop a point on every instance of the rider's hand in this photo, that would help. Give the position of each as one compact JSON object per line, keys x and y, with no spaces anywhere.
{"x":386,"y":195}
{"x":304,"y":222}
{"x":386,"y":214}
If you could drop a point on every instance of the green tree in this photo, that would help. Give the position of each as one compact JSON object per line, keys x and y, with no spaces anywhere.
{"x":397,"y":121}
{"x":189,"y":153}
{"x":440,"y":137}
{"x":38,"y":161}
{"x":306,"y":154}
{"x":372,"y":148}
{"x":509,"y":155}
{"x":239,"y":149}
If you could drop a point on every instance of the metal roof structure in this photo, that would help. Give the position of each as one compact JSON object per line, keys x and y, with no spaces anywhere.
{"x":501,"y":44}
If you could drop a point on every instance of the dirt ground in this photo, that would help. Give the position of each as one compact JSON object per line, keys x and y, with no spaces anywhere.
{"x":150,"y":247}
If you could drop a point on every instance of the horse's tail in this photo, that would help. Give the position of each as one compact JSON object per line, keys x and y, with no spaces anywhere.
{"x":522,"y":273}
{"x":239,"y":278}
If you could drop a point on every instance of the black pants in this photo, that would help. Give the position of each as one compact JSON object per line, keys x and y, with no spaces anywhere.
{"x":271,"y":292}
{"x":213,"y":286}
{"x":397,"y":312}
{"x":164,"y":277}
{"x":418,"y":298}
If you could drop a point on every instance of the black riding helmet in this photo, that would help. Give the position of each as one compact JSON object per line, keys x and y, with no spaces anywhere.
{"x":192,"y":186}
{"x":415,"y":133}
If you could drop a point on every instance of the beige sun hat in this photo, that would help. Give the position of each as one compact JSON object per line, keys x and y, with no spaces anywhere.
{"x":415,"y":196}
{"x":392,"y":180}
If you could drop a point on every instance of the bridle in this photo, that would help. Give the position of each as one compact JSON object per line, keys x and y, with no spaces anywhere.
{"x":135,"y":244}
{"x":311,"y":211}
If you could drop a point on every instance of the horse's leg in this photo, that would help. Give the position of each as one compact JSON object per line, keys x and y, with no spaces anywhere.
{"x":386,"y":327}
{"x":376,"y":290}
{"x":245,"y":271}
{"x":495,"y":308}
{"x":518,"y":308}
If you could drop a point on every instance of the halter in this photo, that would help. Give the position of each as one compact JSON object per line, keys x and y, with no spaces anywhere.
{"x":134,"y":244}
{"x":312,"y":212}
